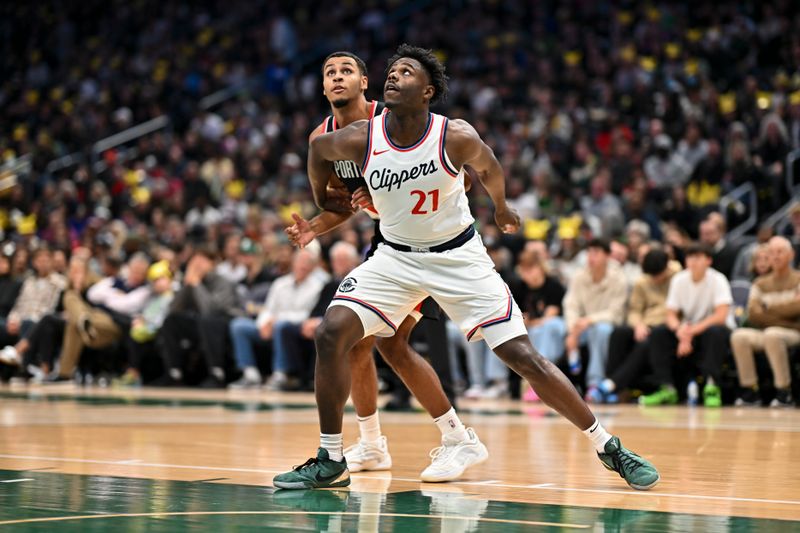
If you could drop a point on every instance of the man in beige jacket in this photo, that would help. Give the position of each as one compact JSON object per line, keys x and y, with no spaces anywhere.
{"x":773,"y":311}
{"x":594,"y":304}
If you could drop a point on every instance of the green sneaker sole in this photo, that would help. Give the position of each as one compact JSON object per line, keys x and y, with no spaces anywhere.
{"x":634,"y":485}
{"x":307,"y":484}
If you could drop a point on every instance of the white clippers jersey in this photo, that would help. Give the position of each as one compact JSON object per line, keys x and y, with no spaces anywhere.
{"x":419,"y":194}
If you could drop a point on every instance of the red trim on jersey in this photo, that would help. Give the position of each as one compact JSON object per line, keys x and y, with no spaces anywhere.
{"x":367,"y":306}
{"x":493,"y":321}
{"x":442,"y":154}
{"x":371,"y":209}
{"x":369,"y":149}
{"x":413,"y":146}
{"x":418,"y":308}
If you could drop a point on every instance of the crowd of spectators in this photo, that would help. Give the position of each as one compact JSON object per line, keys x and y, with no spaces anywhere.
{"x":613,"y":120}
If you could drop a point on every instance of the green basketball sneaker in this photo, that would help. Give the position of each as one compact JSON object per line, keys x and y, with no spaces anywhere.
{"x":712,"y":396}
{"x":316,"y":473}
{"x":666,"y":395}
{"x":637,"y":472}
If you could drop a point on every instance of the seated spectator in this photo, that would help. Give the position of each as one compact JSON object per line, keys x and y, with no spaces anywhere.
{"x":198,"y":317}
{"x":665,"y":168}
{"x":231,"y":267}
{"x":698,"y":324}
{"x":621,"y":254}
{"x":760,"y":262}
{"x":629,"y":344}
{"x":10,"y":286}
{"x":38,"y":296}
{"x":103,"y":316}
{"x":773,"y":318}
{"x":289,"y":302}
{"x":712,"y":234}
{"x":540,"y":296}
{"x":593,"y":305}
{"x":602,"y":208}
{"x":145,"y":326}
{"x":343,"y":258}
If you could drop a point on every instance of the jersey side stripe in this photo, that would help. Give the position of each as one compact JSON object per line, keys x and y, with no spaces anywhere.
{"x":443,"y":154}
{"x":367,"y":306}
{"x":493,"y":321}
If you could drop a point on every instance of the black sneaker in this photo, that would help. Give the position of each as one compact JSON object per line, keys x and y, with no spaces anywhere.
{"x":166,"y":381}
{"x":55,"y":379}
{"x":783,"y":398}
{"x":748,"y":397}
{"x":212,"y":382}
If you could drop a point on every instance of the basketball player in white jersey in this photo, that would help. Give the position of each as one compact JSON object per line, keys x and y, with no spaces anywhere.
{"x":344,"y":83}
{"x":412,"y":162}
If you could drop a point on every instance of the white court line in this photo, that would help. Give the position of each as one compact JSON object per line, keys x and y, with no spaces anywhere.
{"x":543,"y":486}
{"x":16,"y":480}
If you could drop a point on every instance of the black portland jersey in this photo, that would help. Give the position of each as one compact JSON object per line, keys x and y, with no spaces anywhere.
{"x":349,"y":172}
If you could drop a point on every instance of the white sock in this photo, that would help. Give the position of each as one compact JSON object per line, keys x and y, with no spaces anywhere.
{"x":598,"y":435}
{"x":332,"y":442}
{"x":370,"y":427}
{"x":451,"y":427}
{"x":608,"y":385}
{"x":574,"y":356}
{"x":176,"y":374}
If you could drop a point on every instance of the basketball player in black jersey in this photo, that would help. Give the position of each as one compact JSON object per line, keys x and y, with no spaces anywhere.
{"x":344,"y":84}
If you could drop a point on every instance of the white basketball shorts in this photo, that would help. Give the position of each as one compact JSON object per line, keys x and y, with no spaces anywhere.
{"x":388,"y":286}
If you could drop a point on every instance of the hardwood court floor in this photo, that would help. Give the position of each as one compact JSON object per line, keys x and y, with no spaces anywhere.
{"x":74,"y":459}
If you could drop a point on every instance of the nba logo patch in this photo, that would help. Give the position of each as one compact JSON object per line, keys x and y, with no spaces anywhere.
{"x":348,"y":285}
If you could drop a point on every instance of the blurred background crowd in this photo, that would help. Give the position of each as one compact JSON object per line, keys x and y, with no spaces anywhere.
{"x":153,"y":153}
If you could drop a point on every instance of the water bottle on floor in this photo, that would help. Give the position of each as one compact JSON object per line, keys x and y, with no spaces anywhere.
{"x":693,"y":393}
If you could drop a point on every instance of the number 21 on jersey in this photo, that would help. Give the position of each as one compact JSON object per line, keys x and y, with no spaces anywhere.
{"x":421,"y":198}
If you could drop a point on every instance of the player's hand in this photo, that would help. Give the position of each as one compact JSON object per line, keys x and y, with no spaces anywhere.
{"x":300,"y":233}
{"x":361,"y":198}
{"x":507,"y":220}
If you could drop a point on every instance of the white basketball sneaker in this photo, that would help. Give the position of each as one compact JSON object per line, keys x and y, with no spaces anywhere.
{"x":451,"y":459}
{"x":365,"y":456}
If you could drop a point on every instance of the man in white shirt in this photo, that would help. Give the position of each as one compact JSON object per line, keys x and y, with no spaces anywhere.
{"x":289,"y":302}
{"x":699,"y":324}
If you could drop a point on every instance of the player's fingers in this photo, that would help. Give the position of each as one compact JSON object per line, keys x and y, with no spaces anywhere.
{"x":297,"y":218}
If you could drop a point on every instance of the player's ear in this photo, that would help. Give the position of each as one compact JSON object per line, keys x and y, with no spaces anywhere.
{"x":364,"y":83}
{"x":429,"y":92}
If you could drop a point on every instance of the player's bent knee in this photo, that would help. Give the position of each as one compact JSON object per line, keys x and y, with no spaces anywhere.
{"x":519,"y":354}
{"x":340,"y":330}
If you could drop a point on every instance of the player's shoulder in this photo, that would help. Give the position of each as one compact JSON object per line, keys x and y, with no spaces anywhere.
{"x":319,"y":130}
{"x":459,"y":129}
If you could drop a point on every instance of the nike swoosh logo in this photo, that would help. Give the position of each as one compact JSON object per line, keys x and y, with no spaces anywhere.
{"x":375,"y":152}
{"x":326,"y":479}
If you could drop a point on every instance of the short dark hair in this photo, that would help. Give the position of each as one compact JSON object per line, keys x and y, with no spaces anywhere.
{"x":601,"y":244}
{"x":207,"y":251}
{"x":655,"y":262}
{"x":429,"y":62}
{"x":359,"y":62}
{"x":698,"y":248}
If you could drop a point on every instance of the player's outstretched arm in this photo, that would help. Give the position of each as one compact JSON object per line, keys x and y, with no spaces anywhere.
{"x":348,"y":143}
{"x":465,"y":147}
